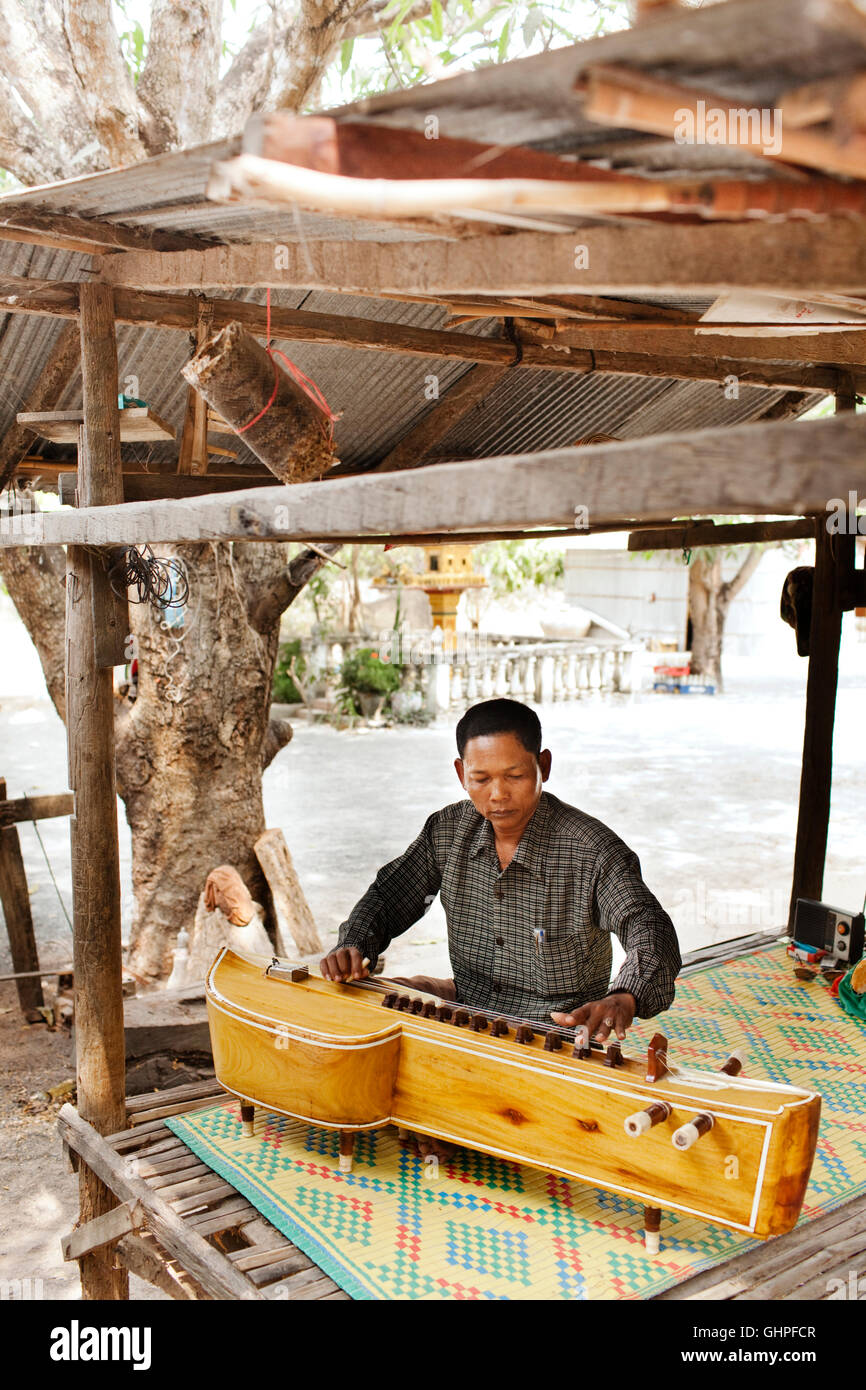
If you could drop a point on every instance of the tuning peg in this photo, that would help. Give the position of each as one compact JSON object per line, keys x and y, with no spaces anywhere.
{"x":499,"y":1028}
{"x":524,"y":1033}
{"x":735,"y":1063}
{"x":390,"y":1000}
{"x":416,"y":1005}
{"x":479,"y":1023}
{"x":429,"y":1009}
{"x":553,"y":1042}
{"x":613,"y":1057}
{"x":444,"y":1013}
{"x":644,"y":1120}
{"x":461,"y":1018}
{"x":690,"y":1133}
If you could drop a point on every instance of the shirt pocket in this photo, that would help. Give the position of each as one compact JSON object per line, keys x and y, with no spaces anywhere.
{"x":558,"y":965}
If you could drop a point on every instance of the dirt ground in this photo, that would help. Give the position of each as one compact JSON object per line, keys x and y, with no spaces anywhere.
{"x":38,"y":1192}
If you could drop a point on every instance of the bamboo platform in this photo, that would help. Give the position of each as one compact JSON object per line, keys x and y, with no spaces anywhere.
{"x":199,"y":1238}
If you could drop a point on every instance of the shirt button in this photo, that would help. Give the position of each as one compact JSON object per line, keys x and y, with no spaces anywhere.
{"x":497,"y":892}
{"x":500,"y":940}
{"x":496,"y":986}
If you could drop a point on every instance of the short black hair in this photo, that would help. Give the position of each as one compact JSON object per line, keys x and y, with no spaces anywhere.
{"x":500,"y":717}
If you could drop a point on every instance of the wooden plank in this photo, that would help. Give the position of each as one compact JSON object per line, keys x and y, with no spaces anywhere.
{"x":828,"y":256}
{"x":292,"y":908}
{"x":191,"y":1090}
{"x":232,"y":1212}
{"x":618,"y":97}
{"x":205,"y":1264}
{"x":160,"y":1112}
{"x":735,"y":533}
{"x":59,"y":367}
{"x":358,"y":149}
{"x":137,"y":424}
{"x":841,"y":346}
{"x":85,"y":234}
{"x":736,"y":1275}
{"x":15,"y":897}
{"x":142,"y":1255}
{"x":783,"y":467}
{"x":177,"y":311}
{"x":103,"y":1230}
{"x":30,"y":808}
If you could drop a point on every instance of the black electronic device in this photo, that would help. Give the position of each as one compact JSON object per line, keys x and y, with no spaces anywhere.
{"x":830,"y":929}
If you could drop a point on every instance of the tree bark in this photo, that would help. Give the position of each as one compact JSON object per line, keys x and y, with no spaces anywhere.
{"x":279,"y":421}
{"x":709,"y":600}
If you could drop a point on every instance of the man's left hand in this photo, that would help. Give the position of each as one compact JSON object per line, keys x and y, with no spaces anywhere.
{"x":602,"y":1016}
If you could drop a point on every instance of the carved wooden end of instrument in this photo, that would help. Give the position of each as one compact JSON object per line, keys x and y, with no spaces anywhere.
{"x":359,"y":1056}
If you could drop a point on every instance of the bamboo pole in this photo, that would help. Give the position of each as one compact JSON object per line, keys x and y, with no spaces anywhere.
{"x":100,"y":1058}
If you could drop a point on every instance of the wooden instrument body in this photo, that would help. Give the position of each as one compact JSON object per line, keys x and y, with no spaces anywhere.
{"x":333,"y":1055}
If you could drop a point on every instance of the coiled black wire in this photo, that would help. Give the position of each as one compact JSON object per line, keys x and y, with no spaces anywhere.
{"x":161,"y":583}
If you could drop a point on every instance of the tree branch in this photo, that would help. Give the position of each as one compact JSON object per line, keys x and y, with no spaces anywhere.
{"x":283,"y":62}
{"x":43,"y":108}
{"x":106,"y":84}
{"x":734,"y":586}
{"x":278,"y":733}
{"x":178,"y":83}
{"x":266,"y":604}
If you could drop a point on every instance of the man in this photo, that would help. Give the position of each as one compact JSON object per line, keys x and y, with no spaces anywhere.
{"x":532,"y":889}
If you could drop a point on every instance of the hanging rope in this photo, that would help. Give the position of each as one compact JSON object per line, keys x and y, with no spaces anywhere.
{"x":307,"y":385}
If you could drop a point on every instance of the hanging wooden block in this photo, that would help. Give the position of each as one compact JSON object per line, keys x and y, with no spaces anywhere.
{"x":265,"y":406}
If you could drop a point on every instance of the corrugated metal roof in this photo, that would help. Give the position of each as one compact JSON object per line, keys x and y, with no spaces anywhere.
{"x":741,"y":48}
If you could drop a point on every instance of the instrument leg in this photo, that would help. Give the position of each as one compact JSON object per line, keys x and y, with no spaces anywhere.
{"x":347,"y":1147}
{"x":248,"y":1115}
{"x":652,"y":1220}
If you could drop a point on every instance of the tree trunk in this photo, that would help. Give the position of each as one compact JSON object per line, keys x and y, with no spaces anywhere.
{"x":710,"y":598}
{"x":193,"y":745}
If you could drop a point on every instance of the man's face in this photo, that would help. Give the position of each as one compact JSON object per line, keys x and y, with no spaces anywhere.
{"x":503,"y":780}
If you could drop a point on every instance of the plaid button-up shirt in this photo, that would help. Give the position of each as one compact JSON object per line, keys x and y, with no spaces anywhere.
{"x":534,"y":937}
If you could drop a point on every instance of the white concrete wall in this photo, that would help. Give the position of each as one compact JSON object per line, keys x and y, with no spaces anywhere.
{"x":649,"y":595}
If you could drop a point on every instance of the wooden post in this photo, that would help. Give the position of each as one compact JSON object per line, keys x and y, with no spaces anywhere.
{"x":100,"y":1057}
{"x":19,"y":921}
{"x":816,"y":775}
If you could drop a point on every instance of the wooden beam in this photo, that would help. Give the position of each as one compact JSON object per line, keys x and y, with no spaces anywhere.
{"x":362,"y":150}
{"x":842,"y":346}
{"x":29,"y":808}
{"x":103,"y":1230}
{"x":826,"y":256}
{"x":100,"y":1054}
{"x":782,"y":468}
{"x":625,"y":99}
{"x":85,"y":235}
{"x":19,"y":920}
{"x":54,"y":376}
{"x":737,"y":533}
{"x":465,"y":395}
{"x":192,"y":457}
{"x":136,"y":423}
{"x":179,"y":311}
{"x":208,"y":1266}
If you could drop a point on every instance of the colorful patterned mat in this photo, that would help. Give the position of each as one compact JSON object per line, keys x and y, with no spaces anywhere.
{"x":483,"y":1228}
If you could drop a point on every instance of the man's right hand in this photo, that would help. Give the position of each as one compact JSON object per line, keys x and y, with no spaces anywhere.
{"x":345,"y":963}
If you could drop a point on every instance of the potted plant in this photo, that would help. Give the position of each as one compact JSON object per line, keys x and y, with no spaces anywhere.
{"x":368,"y":681}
